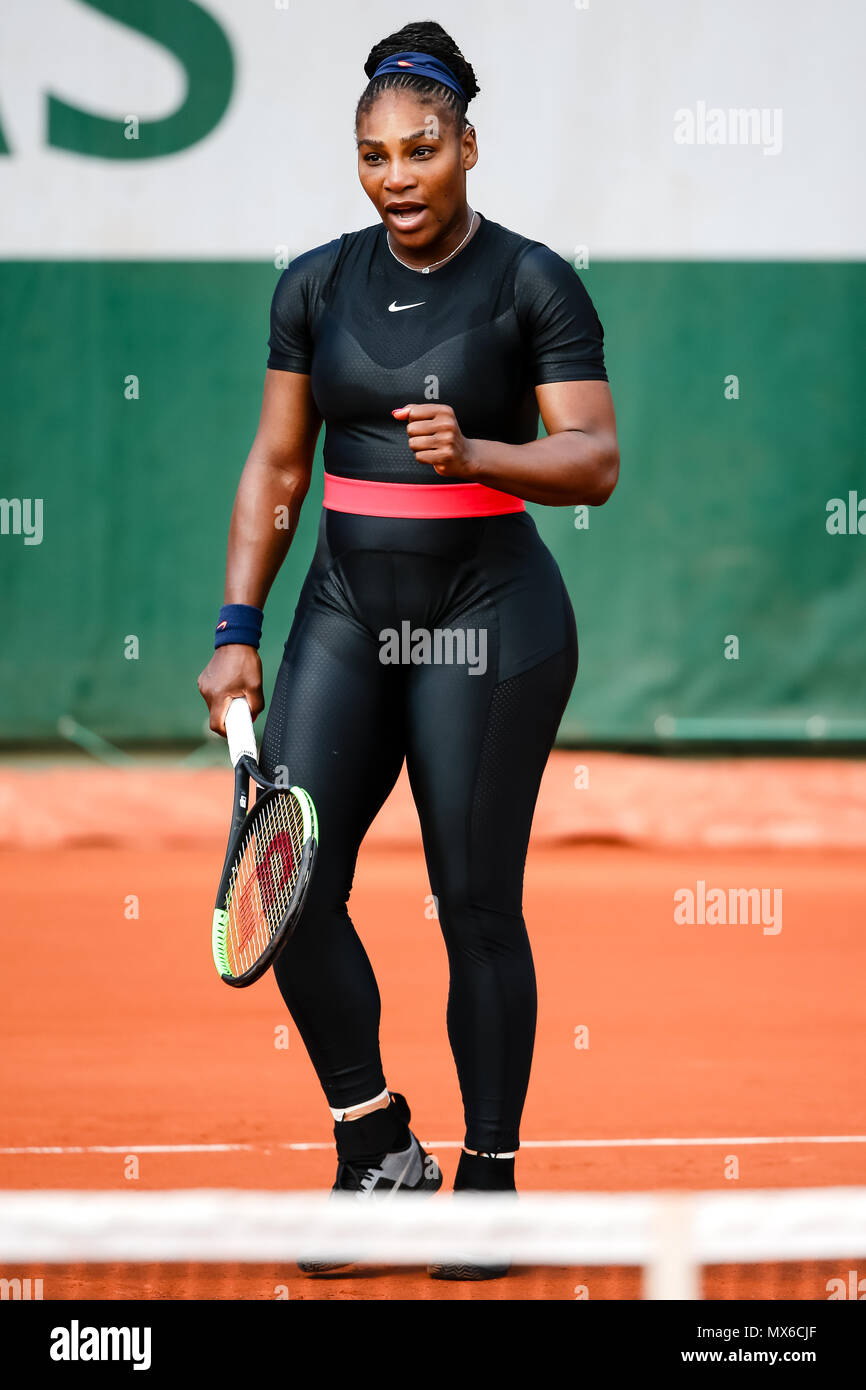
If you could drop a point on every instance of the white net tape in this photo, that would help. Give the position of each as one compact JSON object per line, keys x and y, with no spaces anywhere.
{"x":671,"y":1235}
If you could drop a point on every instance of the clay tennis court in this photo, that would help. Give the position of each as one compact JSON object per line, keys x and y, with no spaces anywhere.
{"x":128,"y":1065}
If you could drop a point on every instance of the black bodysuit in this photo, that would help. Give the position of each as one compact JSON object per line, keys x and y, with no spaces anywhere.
{"x":479,"y":334}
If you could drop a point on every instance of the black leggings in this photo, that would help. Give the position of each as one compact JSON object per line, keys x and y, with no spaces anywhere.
{"x":475,"y":732}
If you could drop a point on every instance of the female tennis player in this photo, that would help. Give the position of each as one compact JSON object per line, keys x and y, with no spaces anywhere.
{"x":428,"y":344}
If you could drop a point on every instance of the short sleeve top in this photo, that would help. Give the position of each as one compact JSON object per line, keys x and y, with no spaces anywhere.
{"x":480,"y":333}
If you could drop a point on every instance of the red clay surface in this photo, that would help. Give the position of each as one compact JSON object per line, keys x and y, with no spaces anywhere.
{"x":118,"y":1032}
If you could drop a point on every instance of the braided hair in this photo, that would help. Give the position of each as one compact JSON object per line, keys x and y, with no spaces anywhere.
{"x":426,"y":36}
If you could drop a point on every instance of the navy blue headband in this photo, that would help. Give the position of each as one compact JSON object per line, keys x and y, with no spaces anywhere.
{"x":422,"y":65}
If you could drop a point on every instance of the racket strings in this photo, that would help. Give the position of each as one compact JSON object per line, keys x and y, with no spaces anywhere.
{"x":263,"y":879}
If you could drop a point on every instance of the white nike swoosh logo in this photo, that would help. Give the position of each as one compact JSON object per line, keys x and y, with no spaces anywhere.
{"x":394,"y":307}
{"x":378,"y":1173}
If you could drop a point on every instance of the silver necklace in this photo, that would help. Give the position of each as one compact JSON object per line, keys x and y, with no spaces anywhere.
{"x":425,"y":269}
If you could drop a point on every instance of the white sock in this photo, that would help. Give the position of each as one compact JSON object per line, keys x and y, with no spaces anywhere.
{"x":343,"y":1114}
{"x":483,"y":1155}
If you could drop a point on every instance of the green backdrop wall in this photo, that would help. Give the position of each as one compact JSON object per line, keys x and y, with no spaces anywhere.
{"x":718,"y":527}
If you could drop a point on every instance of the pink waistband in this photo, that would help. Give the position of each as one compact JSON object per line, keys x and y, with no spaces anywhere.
{"x":363,"y":498}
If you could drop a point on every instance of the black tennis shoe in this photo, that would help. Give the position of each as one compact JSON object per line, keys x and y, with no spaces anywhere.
{"x":478,"y":1173}
{"x":403,"y":1166}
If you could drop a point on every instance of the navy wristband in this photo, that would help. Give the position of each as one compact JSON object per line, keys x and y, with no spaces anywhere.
{"x":239,"y":623}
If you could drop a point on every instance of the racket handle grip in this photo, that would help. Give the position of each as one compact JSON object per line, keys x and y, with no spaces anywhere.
{"x":239,"y":731}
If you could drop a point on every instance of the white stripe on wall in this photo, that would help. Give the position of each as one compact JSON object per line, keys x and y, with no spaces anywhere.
{"x":575,"y":124}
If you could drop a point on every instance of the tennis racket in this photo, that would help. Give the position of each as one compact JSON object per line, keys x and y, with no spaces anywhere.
{"x":268,"y":864}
